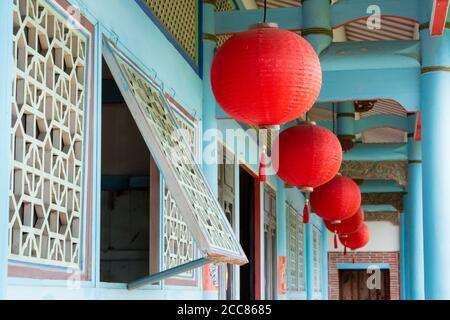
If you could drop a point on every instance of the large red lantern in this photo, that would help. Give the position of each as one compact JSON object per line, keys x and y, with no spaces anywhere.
{"x":346,"y":226}
{"x":336,"y":200}
{"x":266,"y":76}
{"x":306,"y":156}
{"x":356,"y":240}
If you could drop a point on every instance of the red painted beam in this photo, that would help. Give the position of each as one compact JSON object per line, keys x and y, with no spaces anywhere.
{"x":439,"y":17}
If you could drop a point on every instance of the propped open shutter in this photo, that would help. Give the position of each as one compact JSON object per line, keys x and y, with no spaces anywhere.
{"x":184,"y":177}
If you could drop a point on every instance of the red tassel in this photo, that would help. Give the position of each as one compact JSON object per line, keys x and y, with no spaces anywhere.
{"x":263,"y":166}
{"x":353,"y":259}
{"x":335,"y":240}
{"x":306,"y":212}
{"x":345,"y":250}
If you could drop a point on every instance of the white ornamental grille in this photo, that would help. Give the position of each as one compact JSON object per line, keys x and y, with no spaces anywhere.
{"x":48,"y":111}
{"x":317,"y":259}
{"x":202,"y":212}
{"x":296,"y":252}
{"x":178,"y":240}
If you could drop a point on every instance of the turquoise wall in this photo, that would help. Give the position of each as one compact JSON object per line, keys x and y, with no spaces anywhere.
{"x":125,"y":23}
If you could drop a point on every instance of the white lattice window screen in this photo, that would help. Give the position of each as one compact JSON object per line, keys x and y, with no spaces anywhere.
{"x":205,"y":210}
{"x":317,"y":259}
{"x":301,"y":252}
{"x":48,"y":111}
{"x":296,"y":279}
{"x":292,"y":236}
{"x":178,"y":240}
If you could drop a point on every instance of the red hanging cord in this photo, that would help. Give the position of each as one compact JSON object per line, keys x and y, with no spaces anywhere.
{"x":345,"y":250}
{"x":335,"y":240}
{"x":306,"y":212}
{"x":263,"y":165}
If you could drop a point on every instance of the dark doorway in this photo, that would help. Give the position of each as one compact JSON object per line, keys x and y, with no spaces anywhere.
{"x":247,"y":233}
{"x":353,"y":285}
{"x":226,"y":181}
{"x":270,"y":243}
{"x":127,"y":191}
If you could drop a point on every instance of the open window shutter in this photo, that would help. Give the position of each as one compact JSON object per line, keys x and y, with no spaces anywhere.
{"x":184,"y":177}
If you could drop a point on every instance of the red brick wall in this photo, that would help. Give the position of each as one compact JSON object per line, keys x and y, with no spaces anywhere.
{"x":363,"y":257}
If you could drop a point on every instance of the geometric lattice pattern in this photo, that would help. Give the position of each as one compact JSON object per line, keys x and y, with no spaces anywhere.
{"x":208,"y":217}
{"x":180,"y":19}
{"x":178,"y":240}
{"x":224,"y":5}
{"x":48,"y":110}
{"x":296,"y":252}
{"x":317,"y":258}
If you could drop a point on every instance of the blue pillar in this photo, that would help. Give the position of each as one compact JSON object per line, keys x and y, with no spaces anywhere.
{"x":209,"y":105}
{"x":403,"y":261}
{"x":281,"y":227}
{"x":317,"y":31}
{"x":414,"y":218}
{"x":6,"y":49}
{"x":309,"y":251}
{"x":324,"y":263}
{"x":346,"y":124}
{"x":435,"y":108}
{"x":317,"y":24}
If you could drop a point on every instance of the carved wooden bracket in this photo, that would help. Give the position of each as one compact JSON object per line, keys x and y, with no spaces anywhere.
{"x":364,"y":106}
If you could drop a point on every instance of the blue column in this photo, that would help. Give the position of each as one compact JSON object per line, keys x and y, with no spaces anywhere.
{"x":403,"y":260}
{"x":346,"y":124}
{"x":309,"y":251}
{"x":317,"y":24}
{"x":281,"y":227}
{"x":209,"y":103}
{"x":435,"y":108}
{"x":324,"y":263}
{"x":6,"y":49}
{"x":414,"y":217}
{"x":317,"y":31}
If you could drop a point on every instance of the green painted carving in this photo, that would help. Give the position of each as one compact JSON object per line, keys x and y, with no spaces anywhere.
{"x":390,"y":216}
{"x":394,"y":199}
{"x":385,"y":170}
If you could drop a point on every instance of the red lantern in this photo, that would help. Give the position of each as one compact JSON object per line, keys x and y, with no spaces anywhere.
{"x":357,"y":239}
{"x":306,"y":156}
{"x":336,"y":200}
{"x":346,"y":226}
{"x":266,"y":76}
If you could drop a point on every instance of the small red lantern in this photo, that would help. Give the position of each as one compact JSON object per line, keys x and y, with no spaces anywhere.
{"x":306,"y":156}
{"x":346,"y":226}
{"x":356,"y":240}
{"x":266,"y":76}
{"x":336,"y":200}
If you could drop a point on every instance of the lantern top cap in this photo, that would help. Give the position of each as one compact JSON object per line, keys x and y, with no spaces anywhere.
{"x":306,"y":189}
{"x":263,"y":25}
{"x":307,"y":122}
